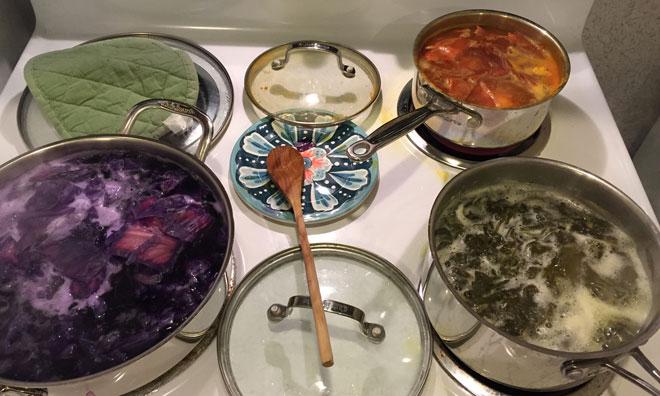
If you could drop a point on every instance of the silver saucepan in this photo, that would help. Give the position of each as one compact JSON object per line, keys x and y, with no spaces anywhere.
{"x":464,"y":125}
{"x":221,"y":236}
{"x":509,"y":360}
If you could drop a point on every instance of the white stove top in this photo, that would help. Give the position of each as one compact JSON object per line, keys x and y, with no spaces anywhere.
{"x":394,"y":223}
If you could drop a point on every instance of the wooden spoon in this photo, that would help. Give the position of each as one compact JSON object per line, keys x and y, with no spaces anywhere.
{"x":287,"y":170}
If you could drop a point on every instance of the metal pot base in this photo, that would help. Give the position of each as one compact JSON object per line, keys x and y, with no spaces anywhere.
{"x":423,"y":139}
{"x":478,"y":385}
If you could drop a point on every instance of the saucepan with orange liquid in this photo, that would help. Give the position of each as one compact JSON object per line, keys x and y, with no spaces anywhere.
{"x":484,"y":82}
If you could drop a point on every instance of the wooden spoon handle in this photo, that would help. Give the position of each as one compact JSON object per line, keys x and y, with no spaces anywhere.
{"x":322,"y":336}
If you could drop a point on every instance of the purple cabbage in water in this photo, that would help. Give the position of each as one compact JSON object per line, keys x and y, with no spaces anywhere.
{"x":101,"y":257}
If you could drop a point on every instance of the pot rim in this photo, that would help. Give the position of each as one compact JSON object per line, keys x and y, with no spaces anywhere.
{"x":267,"y":53}
{"x":181,"y":158}
{"x":634,"y":342}
{"x":431,"y":28}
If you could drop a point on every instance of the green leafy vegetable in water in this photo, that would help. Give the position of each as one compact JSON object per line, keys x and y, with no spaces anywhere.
{"x":544,"y":268}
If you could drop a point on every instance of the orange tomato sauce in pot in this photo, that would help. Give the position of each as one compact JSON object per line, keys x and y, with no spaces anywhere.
{"x":488,"y":67}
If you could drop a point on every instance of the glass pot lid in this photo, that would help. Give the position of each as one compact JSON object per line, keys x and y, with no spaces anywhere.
{"x":312,"y":83}
{"x":380,"y":337}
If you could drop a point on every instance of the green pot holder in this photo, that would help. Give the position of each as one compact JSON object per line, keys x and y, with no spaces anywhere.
{"x":87,"y":90}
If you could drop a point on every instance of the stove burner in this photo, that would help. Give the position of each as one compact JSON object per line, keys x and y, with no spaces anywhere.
{"x":462,"y":157}
{"x":478,"y":385}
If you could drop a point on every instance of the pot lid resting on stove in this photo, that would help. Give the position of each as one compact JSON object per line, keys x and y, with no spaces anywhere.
{"x":312,"y":83}
{"x":380,"y":337}
{"x":213,"y":90}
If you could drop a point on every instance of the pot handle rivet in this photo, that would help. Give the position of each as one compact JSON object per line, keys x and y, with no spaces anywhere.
{"x":574,"y":374}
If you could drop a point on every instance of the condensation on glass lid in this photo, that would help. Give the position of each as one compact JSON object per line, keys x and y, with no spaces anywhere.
{"x":309,"y":116}
{"x":392,"y":360}
{"x":312,"y":80}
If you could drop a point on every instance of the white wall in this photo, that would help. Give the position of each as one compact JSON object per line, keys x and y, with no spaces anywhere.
{"x":647,"y":162}
{"x":360,"y":23}
{"x":622,"y":40}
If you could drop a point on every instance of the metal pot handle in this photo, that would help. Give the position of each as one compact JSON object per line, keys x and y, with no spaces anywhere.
{"x":174,"y":106}
{"x":373,"y":331}
{"x":580,"y":369}
{"x":346,"y":70}
{"x":389,"y":132}
{"x":437,"y":104}
{"x":15,"y":390}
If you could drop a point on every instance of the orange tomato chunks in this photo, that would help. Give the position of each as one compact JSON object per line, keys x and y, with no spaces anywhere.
{"x":488,"y":67}
{"x":447,"y":49}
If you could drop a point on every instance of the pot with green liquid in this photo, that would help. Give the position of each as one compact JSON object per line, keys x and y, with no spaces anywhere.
{"x":548,"y":274}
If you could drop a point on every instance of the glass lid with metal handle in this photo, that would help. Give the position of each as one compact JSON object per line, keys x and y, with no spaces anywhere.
{"x":380,"y":337}
{"x":312,"y":83}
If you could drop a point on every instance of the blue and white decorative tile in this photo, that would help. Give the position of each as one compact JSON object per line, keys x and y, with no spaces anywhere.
{"x":334,"y":185}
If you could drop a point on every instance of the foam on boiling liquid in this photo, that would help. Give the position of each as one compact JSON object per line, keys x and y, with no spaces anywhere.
{"x":582,"y":318}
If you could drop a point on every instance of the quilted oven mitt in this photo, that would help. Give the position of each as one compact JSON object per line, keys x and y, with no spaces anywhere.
{"x":88,"y":89}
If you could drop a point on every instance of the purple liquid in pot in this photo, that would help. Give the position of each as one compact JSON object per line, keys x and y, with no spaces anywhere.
{"x":102,"y":255}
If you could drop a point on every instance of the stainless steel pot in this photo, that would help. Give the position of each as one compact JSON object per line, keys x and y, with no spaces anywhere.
{"x":509,"y":360}
{"x":472,"y":127}
{"x":193,"y":165}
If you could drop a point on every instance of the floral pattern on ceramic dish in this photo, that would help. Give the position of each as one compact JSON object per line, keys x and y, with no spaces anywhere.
{"x":333,"y":186}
